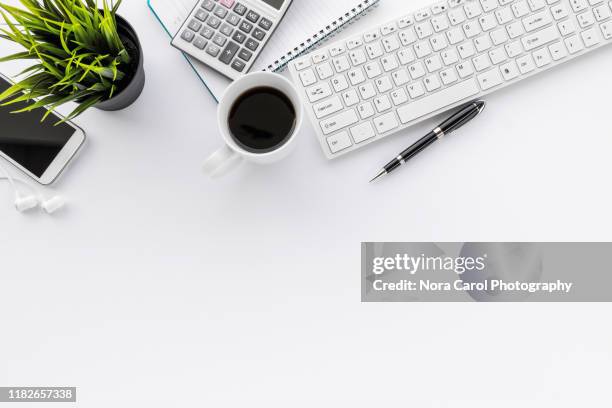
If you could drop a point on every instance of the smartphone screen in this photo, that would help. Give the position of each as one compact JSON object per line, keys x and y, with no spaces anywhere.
{"x":28,"y":141}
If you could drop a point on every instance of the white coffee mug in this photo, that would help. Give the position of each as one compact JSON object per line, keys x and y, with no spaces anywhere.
{"x":230,"y":155}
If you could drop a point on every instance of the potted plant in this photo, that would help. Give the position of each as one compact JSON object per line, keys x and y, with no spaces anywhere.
{"x":83,"y":52}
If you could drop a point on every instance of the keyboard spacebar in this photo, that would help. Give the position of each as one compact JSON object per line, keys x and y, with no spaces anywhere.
{"x":438,"y":100}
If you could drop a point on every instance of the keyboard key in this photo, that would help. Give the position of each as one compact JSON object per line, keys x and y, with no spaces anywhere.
{"x":590,"y":37}
{"x":558,"y":51}
{"x":574,"y":44}
{"x":399,"y":97}
{"x":542,"y":57}
{"x":499,"y":36}
{"x":200,"y":42}
{"x":448,"y":76}
{"x":201,"y":15}
{"x":265,"y":24}
{"x":384,"y":84}
{"x":324,"y":70}
{"x":318,"y":92}
{"x":246,"y":27}
{"x":559,"y":11}
{"x":362,"y":132}
{"x":602,"y":13}
{"x":536,"y":21}
{"x":567,"y":27}
{"x":213,"y":50}
{"x":437,"y":101}
{"x":405,"y":56}
{"x":339,"y":142}
{"x":238,"y":65}
{"x":220,"y":12}
{"x":226,"y":30}
{"x":245,"y":55}
{"x":416,"y":89}
{"x":606,"y":30}
{"x":586,"y":19}
{"x":340,"y":83}
{"x":341,"y":64}
{"x":339,"y":121}
{"x":227,"y":3}
{"x":240,"y":9}
{"x":319,"y":57}
{"x":252,"y":45}
{"x":509,"y":70}
{"x":373,"y":70}
{"x":219,"y":40}
{"x":214,"y":22}
{"x":356,"y":76}
{"x":258,"y":34}
{"x":382,"y":103}
{"x":490,"y":79}
{"x":498,"y":55}
{"x":207,"y":32}
{"x":465,"y":69}
{"x":328,"y":107}
{"x":432,"y":83}
{"x":386,"y":123}
{"x":481,"y":62}
{"x":401,"y":77}
{"x":228,"y":53}
{"x":525,"y":64}
{"x":308,"y":77}
{"x":542,"y":37}
{"x":366,"y":110}
{"x":188,"y":35}
{"x":357,"y":57}
{"x":194,"y":25}
{"x":233,"y":19}
{"x":239,"y":37}
{"x":367,"y":91}
{"x":208,"y":5}
{"x":252,"y":16}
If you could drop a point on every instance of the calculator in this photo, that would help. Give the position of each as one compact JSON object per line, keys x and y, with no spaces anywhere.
{"x":228,"y":35}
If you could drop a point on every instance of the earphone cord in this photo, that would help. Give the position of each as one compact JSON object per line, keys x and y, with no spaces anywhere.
{"x":12,"y":180}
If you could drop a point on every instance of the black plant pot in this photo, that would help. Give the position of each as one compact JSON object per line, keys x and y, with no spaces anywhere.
{"x":135,"y":79}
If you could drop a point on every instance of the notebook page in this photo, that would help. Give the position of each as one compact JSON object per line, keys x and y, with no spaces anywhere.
{"x":304,"y":19}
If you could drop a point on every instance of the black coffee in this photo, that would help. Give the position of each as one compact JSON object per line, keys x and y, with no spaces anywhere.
{"x":262,"y":119}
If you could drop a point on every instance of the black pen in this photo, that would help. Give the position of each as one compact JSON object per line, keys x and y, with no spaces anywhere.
{"x":465,"y":114}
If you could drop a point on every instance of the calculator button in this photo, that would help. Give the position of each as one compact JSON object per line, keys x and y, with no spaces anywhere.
{"x":252,"y":16}
{"x":239,"y":37}
{"x":214,"y":22}
{"x":195,"y":25}
{"x":227,"y":3}
{"x":213,"y":50}
{"x":265,"y":24}
{"x":207,"y":32}
{"x":187,"y":35}
{"x":228,"y":53}
{"x":240,"y":9}
{"x":219,"y":40}
{"x":246,"y":27}
{"x":252,"y":45}
{"x":233,"y":19}
{"x":259,"y":34}
{"x":208,"y":5}
{"x":201,"y":15}
{"x":238,"y":65}
{"x":221,"y":12}
{"x":245,"y":54}
{"x":226,"y":30}
{"x":200,"y":42}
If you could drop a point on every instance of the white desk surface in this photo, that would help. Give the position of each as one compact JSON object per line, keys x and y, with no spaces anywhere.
{"x":159,"y":287}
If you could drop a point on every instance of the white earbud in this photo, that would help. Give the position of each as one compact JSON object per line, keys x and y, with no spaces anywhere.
{"x":30,"y":201}
{"x":53,"y":204}
{"x":23,"y":204}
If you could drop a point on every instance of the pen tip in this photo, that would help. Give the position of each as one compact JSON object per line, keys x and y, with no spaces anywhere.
{"x":379,"y":175}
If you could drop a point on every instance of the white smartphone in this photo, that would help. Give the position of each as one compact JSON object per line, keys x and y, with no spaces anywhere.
{"x":41,"y":150}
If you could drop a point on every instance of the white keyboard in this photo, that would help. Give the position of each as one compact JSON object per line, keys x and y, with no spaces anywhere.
{"x":395,"y":75}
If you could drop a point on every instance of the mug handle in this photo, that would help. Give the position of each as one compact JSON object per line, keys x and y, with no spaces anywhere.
{"x":221,"y":162}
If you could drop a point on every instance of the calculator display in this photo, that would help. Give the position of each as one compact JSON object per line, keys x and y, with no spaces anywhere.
{"x":277,"y":4}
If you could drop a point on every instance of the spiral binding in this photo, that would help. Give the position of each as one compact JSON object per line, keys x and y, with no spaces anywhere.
{"x":325,"y":34}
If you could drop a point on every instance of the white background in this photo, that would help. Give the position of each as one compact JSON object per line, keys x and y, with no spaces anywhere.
{"x":158,"y":287}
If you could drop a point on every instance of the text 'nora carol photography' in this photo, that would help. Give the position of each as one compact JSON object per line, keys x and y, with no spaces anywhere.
{"x":485,"y":272}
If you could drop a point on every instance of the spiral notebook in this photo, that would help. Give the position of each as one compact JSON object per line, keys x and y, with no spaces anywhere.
{"x":305,"y":26}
